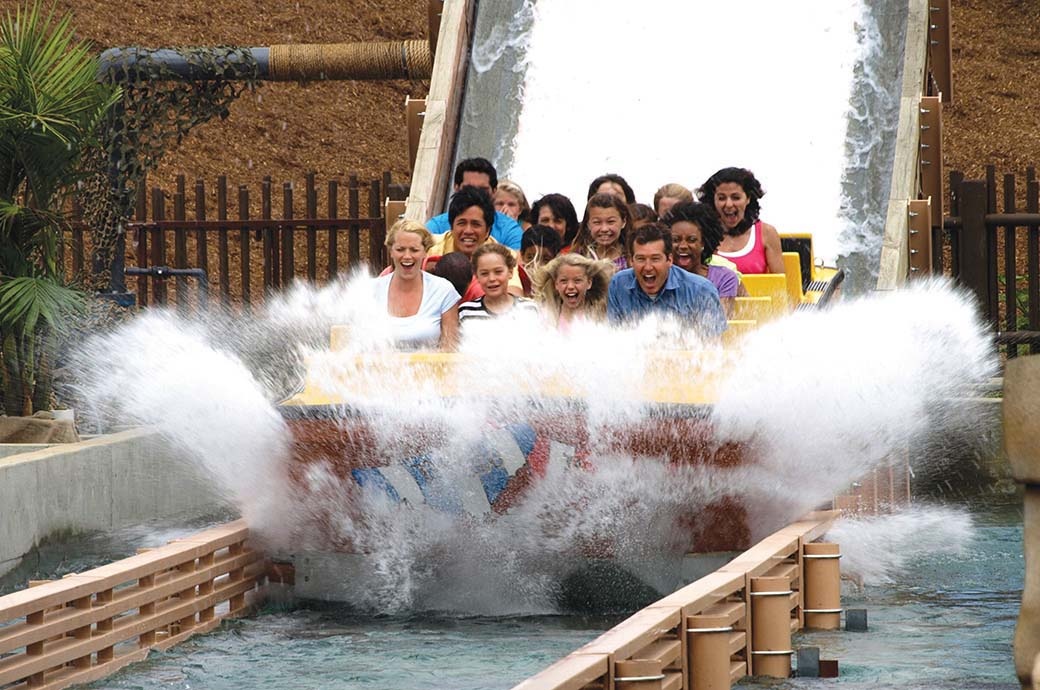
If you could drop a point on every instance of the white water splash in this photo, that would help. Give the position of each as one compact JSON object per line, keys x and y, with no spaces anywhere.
{"x":819,"y":398}
{"x":675,"y":91}
{"x":876,"y":550}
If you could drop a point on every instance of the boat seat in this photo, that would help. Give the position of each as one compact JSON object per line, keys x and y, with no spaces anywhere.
{"x":801,"y":243}
{"x":737,"y":329}
{"x":772,"y":285}
{"x":793,"y":271}
{"x":760,"y":309}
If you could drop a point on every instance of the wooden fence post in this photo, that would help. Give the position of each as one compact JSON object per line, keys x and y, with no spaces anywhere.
{"x":771,"y":626}
{"x":180,"y":244}
{"x":1010,"y":266}
{"x":288,"y":237}
{"x":223,"y":259}
{"x":333,"y":231}
{"x":974,"y":252}
{"x":201,"y":241}
{"x":353,"y":212}
{"x":312,"y":232}
{"x":708,"y":653}
{"x":158,"y":243}
{"x":270,"y":238}
{"x":822,"y":586}
{"x":141,"y":215}
{"x":243,"y":244}
{"x":1033,"y":248}
{"x":376,"y":230}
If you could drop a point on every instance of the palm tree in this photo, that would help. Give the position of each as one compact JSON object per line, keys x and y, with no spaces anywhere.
{"x":50,"y":107}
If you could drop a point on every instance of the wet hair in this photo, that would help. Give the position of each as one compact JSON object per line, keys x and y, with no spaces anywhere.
{"x":457,"y":269}
{"x":477,"y":165}
{"x":494,"y":248}
{"x":541,"y":236}
{"x":598,"y":273}
{"x":642,"y":212}
{"x":746,"y":179}
{"x":705,"y":217}
{"x":673,"y":190}
{"x":412,"y":226}
{"x":583,"y":240}
{"x":561,"y":208}
{"x":510,"y":187}
{"x":466,"y":198}
{"x":651,"y":232}
{"x":630,"y":196}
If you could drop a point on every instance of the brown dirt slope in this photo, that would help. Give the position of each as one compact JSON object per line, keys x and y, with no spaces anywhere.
{"x":284,"y":129}
{"x":994,"y":117}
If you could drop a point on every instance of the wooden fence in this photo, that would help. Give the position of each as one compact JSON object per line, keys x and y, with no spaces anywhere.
{"x":993,"y":248}
{"x":243,"y":251}
{"x":86,"y":626}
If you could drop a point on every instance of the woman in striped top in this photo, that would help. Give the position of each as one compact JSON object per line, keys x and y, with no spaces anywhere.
{"x":493,"y":264}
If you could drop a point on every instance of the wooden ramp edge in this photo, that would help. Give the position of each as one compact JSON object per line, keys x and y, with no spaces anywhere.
{"x":87,"y":626}
{"x":734,"y":622}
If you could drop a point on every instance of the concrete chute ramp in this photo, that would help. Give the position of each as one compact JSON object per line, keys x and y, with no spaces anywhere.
{"x":820,"y":110}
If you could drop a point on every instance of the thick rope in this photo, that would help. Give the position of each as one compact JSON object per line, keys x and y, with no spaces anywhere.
{"x":355,"y":61}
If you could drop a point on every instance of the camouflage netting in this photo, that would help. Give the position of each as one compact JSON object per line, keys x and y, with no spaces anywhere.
{"x":157,"y":110}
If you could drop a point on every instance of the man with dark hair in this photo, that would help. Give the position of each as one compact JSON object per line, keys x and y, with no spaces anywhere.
{"x":478,"y":172}
{"x":470,"y":215}
{"x":653,"y":284}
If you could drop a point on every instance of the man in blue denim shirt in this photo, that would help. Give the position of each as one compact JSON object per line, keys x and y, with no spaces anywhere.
{"x":653,"y":284}
{"x":478,"y":172}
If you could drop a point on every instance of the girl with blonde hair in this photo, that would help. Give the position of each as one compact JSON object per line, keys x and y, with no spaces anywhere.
{"x":573,"y":287}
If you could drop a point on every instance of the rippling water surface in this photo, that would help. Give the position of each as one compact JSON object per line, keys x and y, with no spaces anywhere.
{"x":946,"y":622}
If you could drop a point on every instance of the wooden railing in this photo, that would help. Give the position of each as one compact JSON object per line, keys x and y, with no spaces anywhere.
{"x":246,"y":245}
{"x":991,"y":245}
{"x":86,"y":626}
{"x":734,"y":622}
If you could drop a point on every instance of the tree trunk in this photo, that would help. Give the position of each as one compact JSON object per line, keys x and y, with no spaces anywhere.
{"x":12,"y":375}
{"x":41,"y":395}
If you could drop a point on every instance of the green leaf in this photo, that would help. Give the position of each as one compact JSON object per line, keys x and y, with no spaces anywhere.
{"x":26,"y":300}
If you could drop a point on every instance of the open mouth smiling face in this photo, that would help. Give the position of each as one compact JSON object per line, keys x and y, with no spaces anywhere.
{"x":651,"y":264}
{"x":605,"y":226}
{"x":688,"y":245}
{"x":731,"y":202}
{"x":470,"y":230}
{"x":571,"y":285}
{"x":407,"y":253}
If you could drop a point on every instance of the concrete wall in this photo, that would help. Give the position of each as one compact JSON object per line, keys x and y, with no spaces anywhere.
{"x":113,"y":481}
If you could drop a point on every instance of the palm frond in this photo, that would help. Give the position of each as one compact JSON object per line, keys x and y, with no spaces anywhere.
{"x":27,"y":300}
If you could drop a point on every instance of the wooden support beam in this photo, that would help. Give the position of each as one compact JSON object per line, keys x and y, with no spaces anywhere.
{"x":940,"y":47}
{"x":919,"y":237}
{"x":931,"y":158}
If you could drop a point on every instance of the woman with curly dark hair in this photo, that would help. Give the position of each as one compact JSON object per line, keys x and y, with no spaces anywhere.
{"x":752,"y":245}
{"x":696,"y":234}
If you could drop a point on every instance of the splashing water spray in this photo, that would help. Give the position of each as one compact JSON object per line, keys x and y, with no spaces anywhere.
{"x":479,"y":487}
